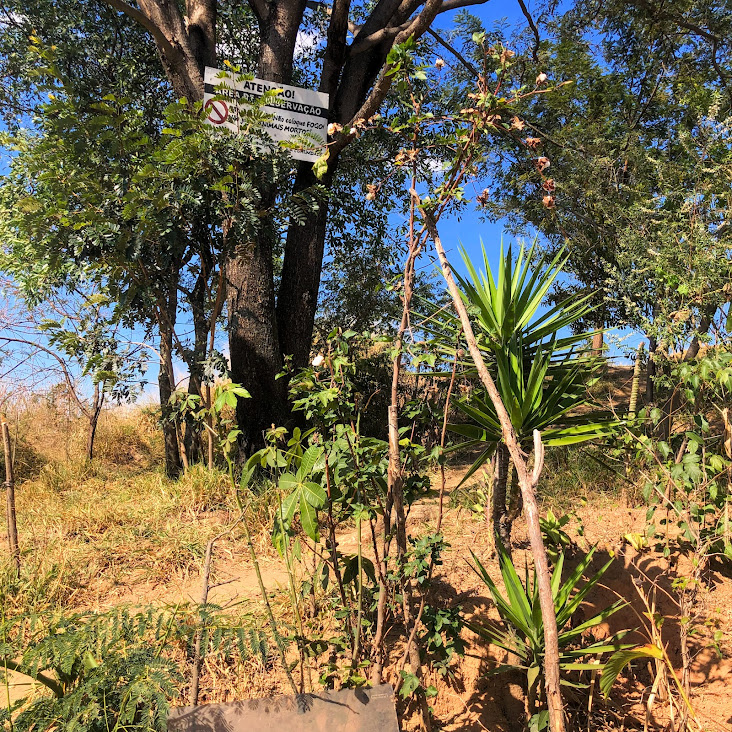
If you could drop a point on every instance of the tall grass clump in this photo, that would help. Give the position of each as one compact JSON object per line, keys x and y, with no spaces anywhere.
{"x":577,"y":472}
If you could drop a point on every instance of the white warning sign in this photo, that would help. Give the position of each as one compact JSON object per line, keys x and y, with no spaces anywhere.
{"x":296,"y":112}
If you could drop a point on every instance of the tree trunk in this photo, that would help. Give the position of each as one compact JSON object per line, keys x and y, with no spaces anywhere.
{"x":633,"y":404}
{"x":11,"y":518}
{"x":188,"y":43}
{"x":253,"y":343}
{"x":396,"y":482}
{"x":278,"y":29}
{"x":172,"y":454}
{"x":297,"y":299}
{"x":515,"y":502}
{"x":302,"y":267}
{"x":651,"y":373}
{"x":94,"y":421}
{"x":673,"y":403}
{"x":598,"y":341}
{"x":705,"y":323}
{"x":194,"y":359}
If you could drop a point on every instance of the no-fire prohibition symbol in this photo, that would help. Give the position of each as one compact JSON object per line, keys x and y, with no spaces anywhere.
{"x":218,"y":111}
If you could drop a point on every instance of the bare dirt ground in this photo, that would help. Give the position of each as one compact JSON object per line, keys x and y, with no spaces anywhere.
{"x":475,"y":701}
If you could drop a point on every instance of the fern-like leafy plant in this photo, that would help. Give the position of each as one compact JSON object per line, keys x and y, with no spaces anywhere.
{"x":112,"y":671}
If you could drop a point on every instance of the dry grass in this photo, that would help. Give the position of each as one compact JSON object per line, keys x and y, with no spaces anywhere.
{"x":48,"y":436}
{"x":117,"y":526}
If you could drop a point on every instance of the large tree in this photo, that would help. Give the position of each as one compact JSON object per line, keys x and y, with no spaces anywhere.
{"x":266,"y":325}
{"x":97,"y":52}
{"x":643,"y":75}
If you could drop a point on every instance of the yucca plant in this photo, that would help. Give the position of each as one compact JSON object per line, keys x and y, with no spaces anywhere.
{"x":508,"y":305}
{"x":521,"y":630}
{"x":542,"y":373}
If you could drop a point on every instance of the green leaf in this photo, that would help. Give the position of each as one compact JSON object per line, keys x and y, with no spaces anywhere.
{"x":320,"y":166}
{"x":309,"y":460}
{"x":308,"y":519}
{"x":533,"y":676}
{"x":314,"y":494}
{"x":410,"y":684}
{"x":90,"y":663}
{"x":288,"y":482}
{"x":618,"y":661}
{"x":539,"y":721}
{"x":288,"y":508}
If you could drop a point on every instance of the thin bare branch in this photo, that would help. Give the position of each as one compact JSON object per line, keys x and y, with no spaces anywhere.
{"x":534,"y":30}
{"x":64,"y":368}
{"x":454,"y":52}
{"x":527,"y":482}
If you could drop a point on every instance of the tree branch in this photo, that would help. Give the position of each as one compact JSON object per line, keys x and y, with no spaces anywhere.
{"x":55,"y":686}
{"x":335,"y":50}
{"x":693,"y":28}
{"x":138,"y":16}
{"x":448,"y":5}
{"x":387,"y":32}
{"x":382,"y":15}
{"x":378,"y":93}
{"x":365,"y":43}
{"x":454,"y":52}
{"x":534,"y":29}
{"x":205,"y":587}
{"x":62,"y":363}
{"x":697,"y":30}
{"x":648,"y":101}
{"x":717,"y":67}
{"x":259,"y":8}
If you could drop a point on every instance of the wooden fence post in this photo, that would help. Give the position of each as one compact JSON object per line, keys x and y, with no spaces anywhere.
{"x":10,"y":492}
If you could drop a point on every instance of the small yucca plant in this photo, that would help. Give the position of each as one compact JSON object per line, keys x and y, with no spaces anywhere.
{"x":521,"y":630}
{"x":539,"y":361}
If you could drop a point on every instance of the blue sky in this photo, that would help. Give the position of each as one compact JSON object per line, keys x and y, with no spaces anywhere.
{"x":468,"y":229}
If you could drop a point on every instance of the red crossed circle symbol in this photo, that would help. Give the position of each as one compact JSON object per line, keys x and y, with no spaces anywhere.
{"x":219,"y":111}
